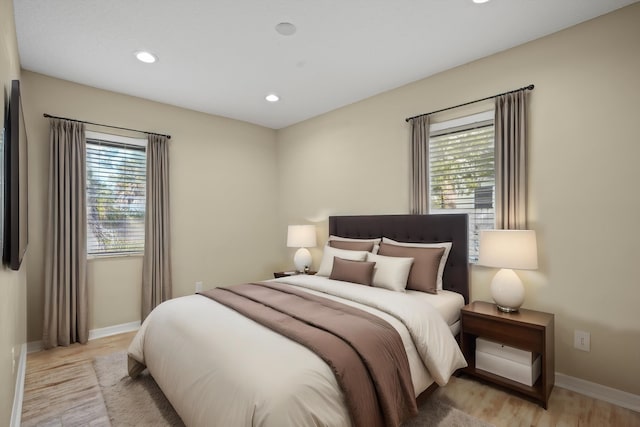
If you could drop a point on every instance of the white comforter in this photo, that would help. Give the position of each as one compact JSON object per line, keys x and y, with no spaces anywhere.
{"x":218,"y":368}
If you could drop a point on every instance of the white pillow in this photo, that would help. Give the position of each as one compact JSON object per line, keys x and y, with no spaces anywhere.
{"x":390,"y":272}
{"x":326,"y":265}
{"x":443,"y":260}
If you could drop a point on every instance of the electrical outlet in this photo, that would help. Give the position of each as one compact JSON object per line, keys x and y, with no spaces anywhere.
{"x":582,"y":340}
{"x":198,"y":286}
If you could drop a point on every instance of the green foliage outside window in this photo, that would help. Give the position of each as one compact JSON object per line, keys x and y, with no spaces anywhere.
{"x":115,"y":198}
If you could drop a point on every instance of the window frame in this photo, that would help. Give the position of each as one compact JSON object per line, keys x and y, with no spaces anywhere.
{"x":457,"y":125}
{"x":136,"y":144}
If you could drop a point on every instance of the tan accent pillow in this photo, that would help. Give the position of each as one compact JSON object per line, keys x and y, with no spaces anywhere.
{"x":424,"y":271}
{"x":352,"y":246}
{"x":443,"y":260}
{"x":326,"y":265}
{"x":360,"y":272}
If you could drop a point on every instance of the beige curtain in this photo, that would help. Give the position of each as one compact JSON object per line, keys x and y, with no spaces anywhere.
{"x":156,"y":264}
{"x":511,"y":160}
{"x":419,"y":194}
{"x":65,"y":283}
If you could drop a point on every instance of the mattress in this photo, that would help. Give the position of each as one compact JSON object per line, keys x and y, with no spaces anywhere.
{"x":447,"y":303}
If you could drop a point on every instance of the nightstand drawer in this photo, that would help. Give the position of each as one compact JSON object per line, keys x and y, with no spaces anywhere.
{"x":516,"y":335}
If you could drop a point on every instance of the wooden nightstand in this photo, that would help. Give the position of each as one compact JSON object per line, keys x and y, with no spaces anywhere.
{"x":279,"y":274}
{"x":525,"y":329}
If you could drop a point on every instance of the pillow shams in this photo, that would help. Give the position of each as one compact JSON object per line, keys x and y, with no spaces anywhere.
{"x":360,"y":272}
{"x":390,"y":272}
{"x":354,"y":244}
{"x":351,"y":246}
{"x":348,"y":239}
{"x":424,"y":272}
{"x":443,"y":260}
{"x":326,"y":265}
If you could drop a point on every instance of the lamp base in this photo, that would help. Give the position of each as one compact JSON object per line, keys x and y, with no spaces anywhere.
{"x":302,"y":260}
{"x":507,"y":290}
{"x":507,"y":309}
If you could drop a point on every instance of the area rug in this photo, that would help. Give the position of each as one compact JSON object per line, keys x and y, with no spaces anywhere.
{"x":140,"y":402}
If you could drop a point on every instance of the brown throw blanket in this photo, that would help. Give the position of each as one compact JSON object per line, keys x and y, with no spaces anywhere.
{"x":365,"y":353}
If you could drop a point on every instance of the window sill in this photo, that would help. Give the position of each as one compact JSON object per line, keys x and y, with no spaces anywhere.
{"x":110,"y":256}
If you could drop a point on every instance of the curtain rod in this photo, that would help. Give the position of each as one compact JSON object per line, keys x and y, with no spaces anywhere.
{"x":530,"y":87}
{"x":108,"y":126}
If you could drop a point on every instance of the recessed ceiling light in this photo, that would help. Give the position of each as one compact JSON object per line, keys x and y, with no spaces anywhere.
{"x":146,"y":57}
{"x":480,"y":1}
{"x":286,"y":28}
{"x":272,"y":97}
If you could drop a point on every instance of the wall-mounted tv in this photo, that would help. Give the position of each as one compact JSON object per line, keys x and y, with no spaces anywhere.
{"x":16,"y":234}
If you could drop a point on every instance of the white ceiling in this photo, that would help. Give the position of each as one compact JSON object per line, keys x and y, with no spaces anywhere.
{"x":224,"y":56}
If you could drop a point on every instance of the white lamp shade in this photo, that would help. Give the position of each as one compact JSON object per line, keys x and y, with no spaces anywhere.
{"x":301,"y":236}
{"x":516,"y":249}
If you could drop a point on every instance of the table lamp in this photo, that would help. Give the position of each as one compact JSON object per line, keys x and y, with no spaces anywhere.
{"x":508,"y":250}
{"x":302,"y":237}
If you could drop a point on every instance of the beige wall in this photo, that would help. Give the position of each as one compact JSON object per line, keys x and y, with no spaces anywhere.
{"x":584,"y":172}
{"x":223,"y":182}
{"x":13,"y":284}
{"x":236,"y":186}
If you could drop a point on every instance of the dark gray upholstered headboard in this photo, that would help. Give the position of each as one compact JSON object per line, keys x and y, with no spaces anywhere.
{"x":416,"y":229}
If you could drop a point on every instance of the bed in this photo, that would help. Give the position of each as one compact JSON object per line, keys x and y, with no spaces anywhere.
{"x":218,"y":367}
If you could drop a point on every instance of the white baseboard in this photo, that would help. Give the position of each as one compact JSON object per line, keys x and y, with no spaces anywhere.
{"x":94,"y":334}
{"x":16,"y":412}
{"x":598,"y":391}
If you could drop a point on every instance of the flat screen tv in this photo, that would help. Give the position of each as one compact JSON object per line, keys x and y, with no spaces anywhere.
{"x":16,"y":234}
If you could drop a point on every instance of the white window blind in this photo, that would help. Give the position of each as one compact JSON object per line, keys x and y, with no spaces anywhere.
{"x":462,"y":175}
{"x":116,"y":175}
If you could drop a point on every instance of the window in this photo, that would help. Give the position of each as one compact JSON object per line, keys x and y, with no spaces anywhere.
{"x":116,"y":175}
{"x":462,"y":172}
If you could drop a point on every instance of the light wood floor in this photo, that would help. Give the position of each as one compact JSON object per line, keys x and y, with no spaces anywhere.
{"x":566,"y":408}
{"x":61,"y":390}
